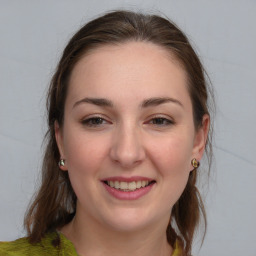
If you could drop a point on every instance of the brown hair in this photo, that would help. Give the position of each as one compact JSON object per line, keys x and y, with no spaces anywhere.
{"x":55,"y":203}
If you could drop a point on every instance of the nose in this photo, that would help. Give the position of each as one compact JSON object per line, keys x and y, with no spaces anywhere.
{"x":127,"y":149}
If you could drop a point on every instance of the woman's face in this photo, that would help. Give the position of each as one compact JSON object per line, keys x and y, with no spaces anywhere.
{"x":128,"y":135}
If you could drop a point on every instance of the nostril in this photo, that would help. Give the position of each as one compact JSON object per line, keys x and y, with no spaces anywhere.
{"x":127,"y":151}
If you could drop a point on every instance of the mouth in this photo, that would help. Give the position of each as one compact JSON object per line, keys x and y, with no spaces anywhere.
{"x":129,"y":186}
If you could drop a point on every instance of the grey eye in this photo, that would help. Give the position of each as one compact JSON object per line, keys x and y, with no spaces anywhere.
{"x":161,"y":121}
{"x":93,"y":121}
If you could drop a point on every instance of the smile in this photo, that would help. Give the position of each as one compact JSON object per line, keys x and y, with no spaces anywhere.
{"x":131,"y":188}
{"x":128,"y":186}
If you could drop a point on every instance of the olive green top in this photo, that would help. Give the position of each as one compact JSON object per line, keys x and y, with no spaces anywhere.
{"x":22,"y":247}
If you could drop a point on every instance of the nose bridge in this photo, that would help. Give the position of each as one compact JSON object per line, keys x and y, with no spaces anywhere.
{"x":127,"y":148}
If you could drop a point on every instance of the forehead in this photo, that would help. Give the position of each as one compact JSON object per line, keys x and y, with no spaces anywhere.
{"x":131,"y":69}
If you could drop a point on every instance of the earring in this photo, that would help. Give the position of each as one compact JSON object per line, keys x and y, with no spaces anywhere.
{"x":61,"y":162}
{"x":195,"y":163}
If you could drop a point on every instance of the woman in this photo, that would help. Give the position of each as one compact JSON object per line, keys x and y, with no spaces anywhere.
{"x":128,"y":124}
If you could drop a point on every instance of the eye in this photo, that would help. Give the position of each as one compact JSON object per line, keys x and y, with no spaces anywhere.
{"x":161,"y":121}
{"x":94,"y":121}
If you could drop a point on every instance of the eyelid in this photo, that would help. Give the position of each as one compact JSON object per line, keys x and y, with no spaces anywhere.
{"x":85,"y":120}
{"x":161,"y":116}
{"x":95,"y":115}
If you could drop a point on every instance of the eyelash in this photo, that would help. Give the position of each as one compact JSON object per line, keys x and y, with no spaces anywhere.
{"x":98,"y":121}
{"x":164,"y":121}
{"x":93,"y":121}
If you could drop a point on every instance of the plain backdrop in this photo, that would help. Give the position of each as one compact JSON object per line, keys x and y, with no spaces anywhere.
{"x":32,"y":36}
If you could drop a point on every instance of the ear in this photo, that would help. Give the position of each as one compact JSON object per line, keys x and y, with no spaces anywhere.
{"x":201,"y":138}
{"x":59,"y":141}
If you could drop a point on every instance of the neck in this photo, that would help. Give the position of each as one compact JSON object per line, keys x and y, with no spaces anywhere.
{"x":93,"y":239}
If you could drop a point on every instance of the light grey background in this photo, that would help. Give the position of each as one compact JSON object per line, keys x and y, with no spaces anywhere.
{"x":32,"y":36}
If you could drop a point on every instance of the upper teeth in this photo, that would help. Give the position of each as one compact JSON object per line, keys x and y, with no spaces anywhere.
{"x":128,"y":185}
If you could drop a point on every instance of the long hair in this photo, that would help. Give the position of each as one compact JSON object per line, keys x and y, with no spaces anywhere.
{"x":54,"y":205}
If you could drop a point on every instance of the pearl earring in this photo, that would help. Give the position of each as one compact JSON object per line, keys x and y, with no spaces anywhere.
{"x":61,"y":163}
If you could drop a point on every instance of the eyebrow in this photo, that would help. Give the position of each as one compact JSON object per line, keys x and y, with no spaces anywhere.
{"x":158,"y":101}
{"x":151,"y":102}
{"x":95,"y":101}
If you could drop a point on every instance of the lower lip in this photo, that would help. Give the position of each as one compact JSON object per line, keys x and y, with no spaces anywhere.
{"x":128,"y":195}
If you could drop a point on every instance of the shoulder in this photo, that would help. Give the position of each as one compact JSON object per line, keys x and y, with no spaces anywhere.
{"x":18,"y":247}
{"x":178,"y":251}
{"x":22,"y":247}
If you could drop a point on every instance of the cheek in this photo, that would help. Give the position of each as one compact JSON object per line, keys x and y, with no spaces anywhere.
{"x":172,"y":161}
{"x":84,"y":153}
{"x":85,"y":156}
{"x":172,"y":155}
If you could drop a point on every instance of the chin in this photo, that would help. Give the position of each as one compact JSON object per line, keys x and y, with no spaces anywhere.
{"x":129,"y":221}
{"x":128,"y":227}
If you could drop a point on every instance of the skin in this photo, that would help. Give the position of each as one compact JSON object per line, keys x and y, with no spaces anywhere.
{"x":126,"y":139}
